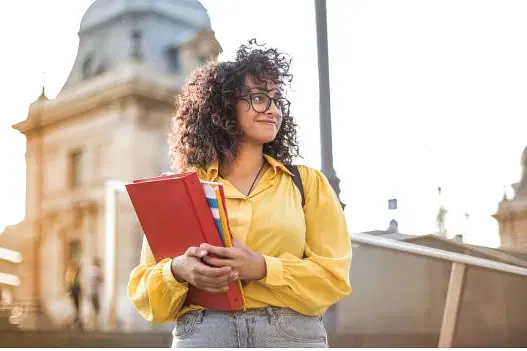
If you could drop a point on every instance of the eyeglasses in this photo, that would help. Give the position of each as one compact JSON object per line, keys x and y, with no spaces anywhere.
{"x":260,"y":102}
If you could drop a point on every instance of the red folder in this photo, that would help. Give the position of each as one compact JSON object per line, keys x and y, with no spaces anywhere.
{"x":174,"y":215}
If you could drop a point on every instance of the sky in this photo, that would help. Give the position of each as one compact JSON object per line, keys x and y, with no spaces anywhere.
{"x":424,"y":93}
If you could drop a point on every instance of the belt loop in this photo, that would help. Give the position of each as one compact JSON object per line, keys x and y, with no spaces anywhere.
{"x":199,"y":317}
{"x":272,"y":316}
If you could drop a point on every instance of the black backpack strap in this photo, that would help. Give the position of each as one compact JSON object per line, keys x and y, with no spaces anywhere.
{"x":298,"y":181}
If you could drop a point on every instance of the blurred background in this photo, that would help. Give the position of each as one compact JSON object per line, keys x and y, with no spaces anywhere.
{"x":428,"y":143}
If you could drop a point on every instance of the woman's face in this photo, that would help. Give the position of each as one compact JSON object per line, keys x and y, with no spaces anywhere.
{"x":259,"y":116}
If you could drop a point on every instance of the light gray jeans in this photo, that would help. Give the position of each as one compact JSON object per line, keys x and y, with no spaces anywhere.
{"x":266,"y":327}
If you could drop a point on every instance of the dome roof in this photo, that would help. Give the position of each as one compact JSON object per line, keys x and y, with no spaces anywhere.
{"x":116,"y":32}
{"x":190,"y":11}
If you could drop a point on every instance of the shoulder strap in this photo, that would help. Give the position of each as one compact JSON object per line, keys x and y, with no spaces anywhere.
{"x":298,"y":181}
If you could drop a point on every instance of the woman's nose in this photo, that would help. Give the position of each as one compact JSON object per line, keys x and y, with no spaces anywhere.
{"x":274,"y":110}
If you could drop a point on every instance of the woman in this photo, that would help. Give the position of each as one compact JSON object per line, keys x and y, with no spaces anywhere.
{"x":232,"y":125}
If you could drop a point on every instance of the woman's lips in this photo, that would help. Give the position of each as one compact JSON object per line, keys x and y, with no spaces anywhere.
{"x":268,"y":122}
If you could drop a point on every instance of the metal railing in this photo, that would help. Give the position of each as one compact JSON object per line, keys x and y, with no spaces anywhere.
{"x":457,"y":275}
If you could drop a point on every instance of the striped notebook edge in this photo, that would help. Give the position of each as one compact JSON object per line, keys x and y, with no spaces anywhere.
{"x":210,"y":189}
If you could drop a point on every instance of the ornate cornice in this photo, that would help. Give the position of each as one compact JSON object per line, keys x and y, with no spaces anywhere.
{"x":132,"y":80}
{"x":510,"y":213}
{"x":71,"y":213}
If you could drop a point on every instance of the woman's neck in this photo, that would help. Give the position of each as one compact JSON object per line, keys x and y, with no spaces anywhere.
{"x":248,"y":161}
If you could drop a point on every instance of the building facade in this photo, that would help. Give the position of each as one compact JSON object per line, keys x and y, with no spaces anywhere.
{"x":512,"y":214}
{"x":109,"y":122}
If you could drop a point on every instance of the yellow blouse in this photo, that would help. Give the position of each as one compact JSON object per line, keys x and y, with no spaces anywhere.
{"x":307,"y":251}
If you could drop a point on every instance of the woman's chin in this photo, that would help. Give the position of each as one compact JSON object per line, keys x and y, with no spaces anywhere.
{"x":262,"y":139}
{"x":267,"y":140}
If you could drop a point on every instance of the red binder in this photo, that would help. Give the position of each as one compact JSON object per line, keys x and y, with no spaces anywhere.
{"x":174,"y":215}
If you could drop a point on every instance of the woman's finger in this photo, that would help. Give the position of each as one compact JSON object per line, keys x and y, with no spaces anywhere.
{"x":218,"y":262}
{"x":204,"y":270}
{"x":226,"y":252}
{"x":196,"y":252}
{"x":218,"y":282}
{"x":207,"y":282}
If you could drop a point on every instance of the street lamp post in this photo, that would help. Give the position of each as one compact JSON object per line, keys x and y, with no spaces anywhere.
{"x":326,"y":139}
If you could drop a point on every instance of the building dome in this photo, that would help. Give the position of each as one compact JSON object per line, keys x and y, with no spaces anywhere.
{"x":189,"y":11}
{"x":114,"y":33}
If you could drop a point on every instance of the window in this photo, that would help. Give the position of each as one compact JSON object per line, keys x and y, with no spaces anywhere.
{"x":202,"y":59}
{"x":74,"y":250}
{"x":100,"y":69}
{"x":137,"y":36}
{"x":75,"y":168}
{"x":173,"y":59}
{"x":87,"y":67}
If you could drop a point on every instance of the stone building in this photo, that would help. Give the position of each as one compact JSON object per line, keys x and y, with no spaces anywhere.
{"x":110,"y":121}
{"x":512,"y":214}
{"x":9,"y":282}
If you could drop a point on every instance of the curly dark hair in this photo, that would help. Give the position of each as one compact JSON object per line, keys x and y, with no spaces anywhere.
{"x":205,"y":126}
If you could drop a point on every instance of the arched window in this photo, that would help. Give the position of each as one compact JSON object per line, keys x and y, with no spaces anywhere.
{"x":137,"y":37}
{"x":173,"y":59}
{"x":202,"y":59}
{"x":75,"y":168}
{"x":87,"y":67}
{"x":74,"y":250}
{"x":101,"y":68}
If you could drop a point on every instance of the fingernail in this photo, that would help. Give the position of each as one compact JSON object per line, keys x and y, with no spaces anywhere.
{"x":203,"y":252}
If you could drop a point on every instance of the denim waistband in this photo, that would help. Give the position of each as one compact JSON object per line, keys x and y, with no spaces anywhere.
{"x":259,"y":327}
{"x":271,"y":312}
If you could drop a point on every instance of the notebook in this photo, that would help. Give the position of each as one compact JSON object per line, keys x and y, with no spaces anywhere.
{"x":210,"y":189}
{"x":174,"y":213}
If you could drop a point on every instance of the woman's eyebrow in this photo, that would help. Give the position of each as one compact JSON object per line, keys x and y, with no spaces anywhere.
{"x":277,"y":92}
{"x":260,"y":88}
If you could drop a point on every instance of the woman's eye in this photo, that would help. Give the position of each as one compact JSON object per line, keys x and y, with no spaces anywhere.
{"x":259,"y":98}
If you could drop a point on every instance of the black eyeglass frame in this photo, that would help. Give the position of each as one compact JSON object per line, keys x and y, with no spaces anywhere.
{"x":285,"y":110}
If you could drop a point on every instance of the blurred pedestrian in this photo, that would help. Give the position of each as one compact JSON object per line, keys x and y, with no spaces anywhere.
{"x":73,"y":286}
{"x":95,"y":281}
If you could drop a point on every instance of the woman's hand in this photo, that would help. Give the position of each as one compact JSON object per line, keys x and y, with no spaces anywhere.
{"x":189,"y":268}
{"x":248,"y":263}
